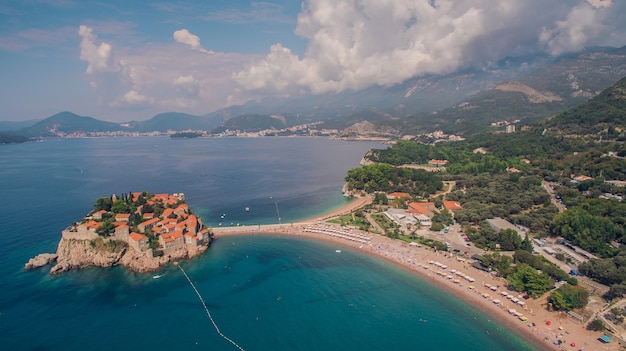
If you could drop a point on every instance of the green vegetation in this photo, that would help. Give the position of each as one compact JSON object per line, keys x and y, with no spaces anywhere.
{"x":596,"y":325}
{"x":185,"y":135}
{"x":592,"y":225}
{"x":527,"y":279}
{"x":568,"y":297}
{"x":356,"y":219}
{"x":597,"y":116}
{"x":108,"y":245}
{"x":103,"y":203}
{"x":383,"y":177}
{"x":12,"y":139}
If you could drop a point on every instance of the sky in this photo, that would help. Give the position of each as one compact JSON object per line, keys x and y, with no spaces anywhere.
{"x":129,"y":60}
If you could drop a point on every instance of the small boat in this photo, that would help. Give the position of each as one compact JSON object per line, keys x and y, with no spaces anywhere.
{"x":222,"y":216}
{"x":247,"y":209}
{"x":156,"y":276}
{"x":338,"y":251}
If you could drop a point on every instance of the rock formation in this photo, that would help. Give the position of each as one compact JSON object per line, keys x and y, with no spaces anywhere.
{"x":40,"y":260}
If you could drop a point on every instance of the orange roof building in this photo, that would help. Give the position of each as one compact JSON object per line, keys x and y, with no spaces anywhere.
{"x":122,"y":217}
{"x":425,"y":208}
{"x":399,"y":195}
{"x":452,"y":205}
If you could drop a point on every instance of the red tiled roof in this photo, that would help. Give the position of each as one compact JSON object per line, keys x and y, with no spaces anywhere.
{"x":92,"y":224}
{"x":452,"y":205}
{"x":169,"y":237}
{"x":149,"y":222}
{"x":136,"y":236}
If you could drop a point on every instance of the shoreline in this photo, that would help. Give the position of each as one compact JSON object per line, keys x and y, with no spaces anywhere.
{"x":413,"y":259}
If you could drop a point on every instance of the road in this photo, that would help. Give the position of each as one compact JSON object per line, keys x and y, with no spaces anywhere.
{"x":549,"y":188}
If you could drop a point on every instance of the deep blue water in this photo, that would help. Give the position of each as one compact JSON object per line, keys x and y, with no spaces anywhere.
{"x":267,"y":293}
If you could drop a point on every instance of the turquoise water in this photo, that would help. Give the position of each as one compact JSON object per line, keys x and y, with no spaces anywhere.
{"x":264,"y":292}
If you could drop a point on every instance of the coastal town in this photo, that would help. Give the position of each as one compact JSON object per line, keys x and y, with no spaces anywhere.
{"x":139,"y":230}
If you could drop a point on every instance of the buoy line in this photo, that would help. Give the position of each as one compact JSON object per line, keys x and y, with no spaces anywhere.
{"x":209,"y":313}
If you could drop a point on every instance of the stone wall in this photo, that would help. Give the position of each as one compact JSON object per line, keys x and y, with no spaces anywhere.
{"x":78,"y":233}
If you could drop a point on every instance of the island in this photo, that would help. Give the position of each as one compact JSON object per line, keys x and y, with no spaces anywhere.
{"x":139,"y":230}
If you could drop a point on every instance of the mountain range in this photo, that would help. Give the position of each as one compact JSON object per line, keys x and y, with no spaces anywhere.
{"x":521,"y":90}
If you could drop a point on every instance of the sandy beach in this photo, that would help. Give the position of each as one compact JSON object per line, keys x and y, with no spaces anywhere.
{"x":452,"y":274}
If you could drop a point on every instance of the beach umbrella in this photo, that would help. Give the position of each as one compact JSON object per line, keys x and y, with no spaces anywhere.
{"x":573,"y":344}
{"x":548,"y":322}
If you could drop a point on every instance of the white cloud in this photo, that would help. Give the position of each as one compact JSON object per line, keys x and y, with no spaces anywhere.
{"x":574,"y":32}
{"x":600,"y":3}
{"x":356,"y":44}
{"x":187,"y":84}
{"x":132,"y":97}
{"x":98,"y":56}
{"x":155,"y":77}
{"x":185,"y":37}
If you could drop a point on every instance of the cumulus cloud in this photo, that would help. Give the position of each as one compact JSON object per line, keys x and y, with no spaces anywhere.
{"x":98,"y":55}
{"x":574,"y":32}
{"x":159,"y":76}
{"x":356,"y":44}
{"x":185,"y":37}
{"x":187,"y":84}
{"x":132,"y":97}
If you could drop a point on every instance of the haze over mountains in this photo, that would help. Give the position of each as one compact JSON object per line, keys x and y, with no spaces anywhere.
{"x":525,"y":89}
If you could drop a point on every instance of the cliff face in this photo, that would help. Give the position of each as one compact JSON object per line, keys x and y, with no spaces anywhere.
{"x":73,"y":254}
{"x":77,"y":254}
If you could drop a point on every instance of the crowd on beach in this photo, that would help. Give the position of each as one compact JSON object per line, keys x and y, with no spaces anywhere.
{"x":450,"y":272}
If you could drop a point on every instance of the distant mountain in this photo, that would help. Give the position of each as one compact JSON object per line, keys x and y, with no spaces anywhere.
{"x":65,"y":123}
{"x":253,"y":123}
{"x":546,"y":91}
{"x":13,"y":126}
{"x":178,"y":121}
{"x":525,"y":89}
{"x":606,"y":111}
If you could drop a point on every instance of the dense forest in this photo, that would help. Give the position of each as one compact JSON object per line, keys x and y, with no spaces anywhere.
{"x":386,"y":178}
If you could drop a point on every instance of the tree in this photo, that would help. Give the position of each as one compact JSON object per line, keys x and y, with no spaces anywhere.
{"x":381,"y":198}
{"x":568,"y":297}
{"x":120,"y":206}
{"x":103,"y":203}
{"x":526,"y":244}
{"x":526,"y":278}
{"x":596,"y":325}
{"x":509,"y":240}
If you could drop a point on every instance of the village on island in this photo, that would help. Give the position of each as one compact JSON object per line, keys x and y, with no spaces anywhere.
{"x":139,"y":230}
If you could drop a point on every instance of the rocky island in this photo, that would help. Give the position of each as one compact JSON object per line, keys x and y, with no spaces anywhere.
{"x":139,"y":230}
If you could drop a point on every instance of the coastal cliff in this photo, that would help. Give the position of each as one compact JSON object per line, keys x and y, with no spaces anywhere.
{"x":76,"y":254}
{"x":140,"y":231}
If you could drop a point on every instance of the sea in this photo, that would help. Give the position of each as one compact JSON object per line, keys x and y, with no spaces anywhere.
{"x":253,"y":293}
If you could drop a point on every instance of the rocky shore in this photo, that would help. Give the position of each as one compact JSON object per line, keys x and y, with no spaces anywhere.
{"x":76,"y":254}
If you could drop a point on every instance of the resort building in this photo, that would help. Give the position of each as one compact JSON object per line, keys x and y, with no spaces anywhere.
{"x":138,"y":241}
{"x":175,"y":229}
{"x":424,"y":208}
{"x":452,"y":205}
{"x":398,"y":195}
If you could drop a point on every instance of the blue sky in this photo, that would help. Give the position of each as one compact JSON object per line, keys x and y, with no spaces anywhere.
{"x":128,"y":60}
